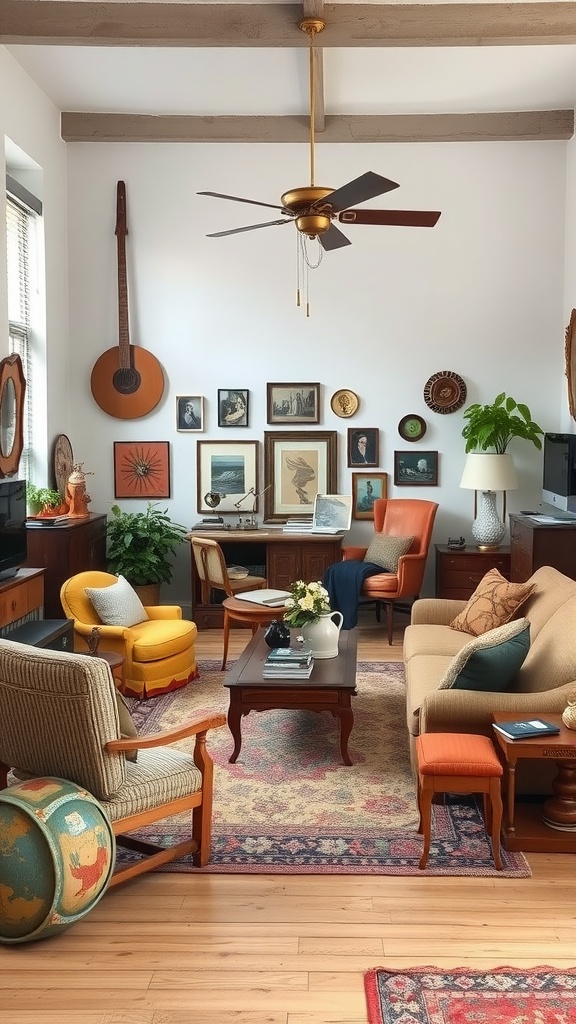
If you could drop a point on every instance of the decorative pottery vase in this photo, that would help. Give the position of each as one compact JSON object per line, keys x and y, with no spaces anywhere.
{"x":322,"y":635}
{"x":569,"y":715}
{"x":58,"y":856}
{"x":277,"y":634}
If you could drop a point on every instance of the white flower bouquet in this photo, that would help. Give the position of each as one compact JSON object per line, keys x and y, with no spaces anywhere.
{"x":308,"y":601}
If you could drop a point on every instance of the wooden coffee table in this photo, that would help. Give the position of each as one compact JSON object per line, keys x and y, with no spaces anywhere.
{"x":329,"y":688}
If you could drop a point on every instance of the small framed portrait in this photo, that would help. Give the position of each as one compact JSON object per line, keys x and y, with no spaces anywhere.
{"x":141,"y":469}
{"x":293,"y":403}
{"x":416,"y":469}
{"x":189,"y":412}
{"x":366,"y":487}
{"x":363,"y":447}
{"x":233,"y":407}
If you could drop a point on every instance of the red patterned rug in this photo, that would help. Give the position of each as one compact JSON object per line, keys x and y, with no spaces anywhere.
{"x":503,"y":995}
{"x":289,"y":805}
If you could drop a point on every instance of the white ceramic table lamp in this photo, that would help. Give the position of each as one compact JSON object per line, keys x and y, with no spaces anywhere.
{"x":485,"y":474}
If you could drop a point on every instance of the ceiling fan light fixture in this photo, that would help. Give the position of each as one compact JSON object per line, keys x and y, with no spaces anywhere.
{"x":313,"y":224}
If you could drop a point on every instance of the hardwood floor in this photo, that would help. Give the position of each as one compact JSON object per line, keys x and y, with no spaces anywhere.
{"x":276,"y":949}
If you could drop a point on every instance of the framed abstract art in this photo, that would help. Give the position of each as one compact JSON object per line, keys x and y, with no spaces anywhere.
{"x":142,"y":469}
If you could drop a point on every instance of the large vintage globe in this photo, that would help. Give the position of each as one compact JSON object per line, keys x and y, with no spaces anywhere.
{"x":57,"y":854}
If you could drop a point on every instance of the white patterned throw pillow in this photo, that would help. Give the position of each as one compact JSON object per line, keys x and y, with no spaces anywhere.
{"x":117,"y":605}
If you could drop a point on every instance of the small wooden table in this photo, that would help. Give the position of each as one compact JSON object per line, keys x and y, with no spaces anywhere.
{"x":542,"y":826}
{"x":329,"y":688}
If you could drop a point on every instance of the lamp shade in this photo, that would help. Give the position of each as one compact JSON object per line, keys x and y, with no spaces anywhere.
{"x":485,"y":471}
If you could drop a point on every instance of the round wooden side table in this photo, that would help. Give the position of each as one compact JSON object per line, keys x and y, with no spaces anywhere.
{"x":116,"y":662}
{"x":248,"y":612}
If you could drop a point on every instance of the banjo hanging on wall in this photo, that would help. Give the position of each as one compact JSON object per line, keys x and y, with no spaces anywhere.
{"x":126,"y":381}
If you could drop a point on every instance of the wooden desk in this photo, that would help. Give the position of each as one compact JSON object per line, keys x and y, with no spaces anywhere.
{"x":330,"y":688}
{"x":525,"y":828}
{"x":281,"y":557}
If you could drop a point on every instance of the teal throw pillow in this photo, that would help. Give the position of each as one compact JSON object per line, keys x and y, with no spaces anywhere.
{"x":491,"y":661}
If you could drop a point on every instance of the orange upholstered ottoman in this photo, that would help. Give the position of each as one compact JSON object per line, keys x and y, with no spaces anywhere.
{"x":453,"y":762}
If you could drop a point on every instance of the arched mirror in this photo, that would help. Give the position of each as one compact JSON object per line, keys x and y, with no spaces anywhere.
{"x":12,"y":390}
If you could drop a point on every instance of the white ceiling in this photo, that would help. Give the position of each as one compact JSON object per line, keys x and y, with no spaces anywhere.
{"x":217,"y":81}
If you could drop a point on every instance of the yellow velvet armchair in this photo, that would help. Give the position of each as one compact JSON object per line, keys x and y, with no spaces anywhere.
{"x":160,"y":652}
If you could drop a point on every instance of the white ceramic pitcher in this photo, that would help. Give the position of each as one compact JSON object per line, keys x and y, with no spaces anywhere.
{"x":322,"y":635}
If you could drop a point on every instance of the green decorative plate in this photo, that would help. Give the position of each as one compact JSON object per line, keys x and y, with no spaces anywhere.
{"x":412,"y":427}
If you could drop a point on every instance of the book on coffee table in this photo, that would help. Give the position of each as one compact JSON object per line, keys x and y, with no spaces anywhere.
{"x":287,"y":671}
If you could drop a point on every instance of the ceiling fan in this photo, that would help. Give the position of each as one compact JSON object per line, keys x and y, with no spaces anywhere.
{"x":314,"y":208}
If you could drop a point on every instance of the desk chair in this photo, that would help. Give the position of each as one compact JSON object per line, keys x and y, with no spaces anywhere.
{"x":213,"y":575}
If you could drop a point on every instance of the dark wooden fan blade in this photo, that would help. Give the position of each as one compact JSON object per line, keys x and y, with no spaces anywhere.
{"x":367,"y":186}
{"x":237,"y":199}
{"x":403,"y":218}
{"x":333,"y":239}
{"x":250,"y":227}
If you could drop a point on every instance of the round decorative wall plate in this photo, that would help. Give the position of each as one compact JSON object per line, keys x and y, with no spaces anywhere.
{"x":412,"y":427}
{"x":344,"y":403}
{"x":571,"y":363}
{"x":445,"y":392}
{"x":63,"y":462}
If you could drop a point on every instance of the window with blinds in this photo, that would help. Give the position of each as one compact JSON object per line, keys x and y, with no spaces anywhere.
{"x":21,"y":242}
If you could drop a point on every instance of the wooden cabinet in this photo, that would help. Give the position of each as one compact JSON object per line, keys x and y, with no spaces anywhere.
{"x":458,"y":573}
{"x":281,"y":557}
{"x":21,"y":599}
{"x":535,"y":544}
{"x":64,"y":550}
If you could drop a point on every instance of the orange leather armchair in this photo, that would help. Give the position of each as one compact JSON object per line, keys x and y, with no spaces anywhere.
{"x":399,"y":517}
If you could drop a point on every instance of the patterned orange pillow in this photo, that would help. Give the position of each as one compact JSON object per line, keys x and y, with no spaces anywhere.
{"x":494,"y":602}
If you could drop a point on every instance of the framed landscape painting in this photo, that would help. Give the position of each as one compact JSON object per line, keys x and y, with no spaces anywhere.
{"x":366,"y":487}
{"x":298,"y":465}
{"x":416,"y":469}
{"x":225,"y":472}
{"x":293,"y":403}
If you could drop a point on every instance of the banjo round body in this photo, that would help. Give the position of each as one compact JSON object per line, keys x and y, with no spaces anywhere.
{"x":127,"y":392}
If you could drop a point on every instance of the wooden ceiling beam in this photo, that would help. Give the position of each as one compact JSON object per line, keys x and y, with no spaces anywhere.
{"x":516,"y":126}
{"x":96,"y":23}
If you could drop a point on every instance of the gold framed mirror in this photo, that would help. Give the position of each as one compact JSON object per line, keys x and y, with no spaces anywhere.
{"x":570,"y":352}
{"x":12,"y":390}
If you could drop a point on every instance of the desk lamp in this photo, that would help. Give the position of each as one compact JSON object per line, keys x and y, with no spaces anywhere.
{"x":487,"y":473}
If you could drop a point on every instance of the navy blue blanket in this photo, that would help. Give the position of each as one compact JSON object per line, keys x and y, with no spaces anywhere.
{"x":343,"y":581}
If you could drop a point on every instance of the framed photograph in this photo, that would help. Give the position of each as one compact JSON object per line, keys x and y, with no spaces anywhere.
{"x":366,"y":487}
{"x":363,"y":446}
{"x":293,"y":403}
{"x":226,"y":471}
{"x":189,"y":412}
{"x":333,"y":511}
{"x":233,"y":408}
{"x":416,"y":469}
{"x":141,"y":469}
{"x":298,"y":465}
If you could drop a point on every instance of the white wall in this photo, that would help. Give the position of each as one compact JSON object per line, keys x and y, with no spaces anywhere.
{"x":480,"y":294}
{"x":31,"y":122}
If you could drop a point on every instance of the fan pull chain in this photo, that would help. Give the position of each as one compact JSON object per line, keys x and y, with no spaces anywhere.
{"x":298,"y":269}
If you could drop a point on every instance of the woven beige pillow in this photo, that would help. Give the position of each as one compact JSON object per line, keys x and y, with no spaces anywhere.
{"x":385,"y":550}
{"x":494,"y":602}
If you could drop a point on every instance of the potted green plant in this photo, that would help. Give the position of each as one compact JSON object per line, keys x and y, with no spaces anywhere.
{"x":45,"y":502}
{"x":140,"y":546}
{"x":494,"y":426}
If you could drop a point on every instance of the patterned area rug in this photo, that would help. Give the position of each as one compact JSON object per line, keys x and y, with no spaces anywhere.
{"x":430,"y":995}
{"x":289,"y":804}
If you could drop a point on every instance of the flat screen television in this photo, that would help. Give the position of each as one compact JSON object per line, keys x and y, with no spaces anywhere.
{"x":13,"y":536}
{"x":559,"y":474}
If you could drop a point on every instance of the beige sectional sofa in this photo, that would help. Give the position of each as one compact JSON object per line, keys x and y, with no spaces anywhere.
{"x":543,"y":683}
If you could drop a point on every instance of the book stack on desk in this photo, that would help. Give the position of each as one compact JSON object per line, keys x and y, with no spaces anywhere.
{"x":288,"y":663}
